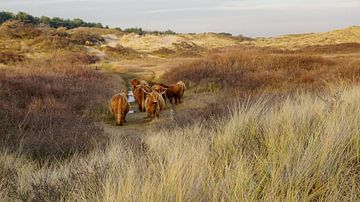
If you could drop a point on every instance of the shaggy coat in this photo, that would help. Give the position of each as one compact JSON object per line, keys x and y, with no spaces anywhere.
{"x":140,"y":96}
{"x":154,"y":104}
{"x":138,"y":88}
{"x":136,"y":82}
{"x":119,"y":107}
{"x":183,"y":87}
{"x":160,"y":89}
{"x":175,"y":91}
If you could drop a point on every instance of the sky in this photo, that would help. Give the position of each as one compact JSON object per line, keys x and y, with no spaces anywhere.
{"x":254,"y":18}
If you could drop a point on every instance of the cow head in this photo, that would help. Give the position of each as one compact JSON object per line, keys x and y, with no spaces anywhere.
{"x":134,"y":83}
{"x":159,"y":88}
{"x":151,"y":96}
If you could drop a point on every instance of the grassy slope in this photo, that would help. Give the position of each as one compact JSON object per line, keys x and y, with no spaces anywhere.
{"x":347,"y":35}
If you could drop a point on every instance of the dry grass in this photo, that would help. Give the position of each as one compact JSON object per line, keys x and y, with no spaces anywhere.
{"x":303,"y":148}
{"x":247,"y":70}
{"x":50,"y":108}
{"x":296,"y":41}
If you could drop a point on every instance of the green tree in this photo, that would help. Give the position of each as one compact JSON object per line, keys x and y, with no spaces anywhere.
{"x":26,"y":18}
{"x":5,"y":16}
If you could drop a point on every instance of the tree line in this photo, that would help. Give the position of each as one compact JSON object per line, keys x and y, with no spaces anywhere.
{"x":54,"y":22}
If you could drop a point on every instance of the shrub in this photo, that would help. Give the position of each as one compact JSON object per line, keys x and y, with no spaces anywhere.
{"x":10,"y":57}
{"x":49,"y":107}
{"x":254,"y":71}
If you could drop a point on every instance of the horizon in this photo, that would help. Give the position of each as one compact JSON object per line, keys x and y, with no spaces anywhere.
{"x":260,"y":18}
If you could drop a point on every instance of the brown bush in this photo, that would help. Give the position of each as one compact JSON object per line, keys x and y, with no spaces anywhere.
{"x":49,"y":108}
{"x":14,"y":29}
{"x":84,"y":37}
{"x":11,"y":57}
{"x":333,"y":48}
{"x":120,"y":52}
{"x":253,"y":71}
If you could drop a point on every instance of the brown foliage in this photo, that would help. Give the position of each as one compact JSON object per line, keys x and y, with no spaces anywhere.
{"x":48,"y":107}
{"x":84,"y":37}
{"x":11,"y":57}
{"x":252,"y":71}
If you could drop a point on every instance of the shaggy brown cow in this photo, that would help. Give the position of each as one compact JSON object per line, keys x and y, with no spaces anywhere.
{"x":175,"y":91}
{"x":160,"y":89}
{"x":119,"y":107}
{"x":182,"y":84}
{"x":138,"y":88}
{"x":154,"y":104}
{"x":136,"y":82}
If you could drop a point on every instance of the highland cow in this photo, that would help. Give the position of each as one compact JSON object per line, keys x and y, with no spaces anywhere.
{"x":160,"y":89}
{"x":119,"y":107}
{"x":175,"y":91}
{"x":154,"y":104}
{"x":136,"y":82}
{"x":138,"y":88}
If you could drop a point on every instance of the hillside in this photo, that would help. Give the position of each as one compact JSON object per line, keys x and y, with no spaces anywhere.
{"x":149,"y":42}
{"x":296,"y":41}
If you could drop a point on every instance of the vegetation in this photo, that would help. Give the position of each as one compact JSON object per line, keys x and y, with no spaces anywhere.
{"x":253,"y":70}
{"x":299,"y":149}
{"x":256,"y":123}
{"x":140,"y":31}
{"x":54,"y":22}
{"x":48,"y":108}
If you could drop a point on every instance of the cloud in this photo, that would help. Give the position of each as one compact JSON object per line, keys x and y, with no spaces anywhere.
{"x":264,"y":5}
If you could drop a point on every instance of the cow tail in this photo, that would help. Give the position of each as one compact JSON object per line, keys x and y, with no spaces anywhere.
{"x":119,"y":111}
{"x":143,"y":101}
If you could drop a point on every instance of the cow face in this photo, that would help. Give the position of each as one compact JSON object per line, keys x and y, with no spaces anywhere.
{"x":152,"y":97}
{"x":158,"y":88}
{"x":134,"y":83}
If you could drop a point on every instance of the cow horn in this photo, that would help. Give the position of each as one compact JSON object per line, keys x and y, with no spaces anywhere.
{"x":144,"y":91}
{"x":163,"y":91}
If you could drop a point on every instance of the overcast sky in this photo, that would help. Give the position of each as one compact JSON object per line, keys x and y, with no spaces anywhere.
{"x":246,"y":17}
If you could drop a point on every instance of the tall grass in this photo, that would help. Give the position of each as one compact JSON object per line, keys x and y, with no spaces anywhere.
{"x":305,"y":147}
{"x":252,"y":70}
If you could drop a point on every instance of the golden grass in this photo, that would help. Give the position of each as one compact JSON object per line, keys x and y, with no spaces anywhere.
{"x":302,"y":148}
{"x":347,"y":35}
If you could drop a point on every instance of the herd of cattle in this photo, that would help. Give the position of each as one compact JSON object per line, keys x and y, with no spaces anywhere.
{"x":150,"y":99}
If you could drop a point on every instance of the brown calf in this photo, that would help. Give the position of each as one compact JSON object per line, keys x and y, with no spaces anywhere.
{"x":119,"y":107}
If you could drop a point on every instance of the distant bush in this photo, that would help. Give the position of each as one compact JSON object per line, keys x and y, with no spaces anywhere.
{"x":86,"y":38}
{"x":120,"y":52}
{"x":140,"y":31}
{"x":5,"y":16}
{"x":17,"y":29}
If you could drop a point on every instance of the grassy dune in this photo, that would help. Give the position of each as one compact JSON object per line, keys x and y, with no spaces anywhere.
{"x":296,"y":41}
{"x":301,"y":148}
